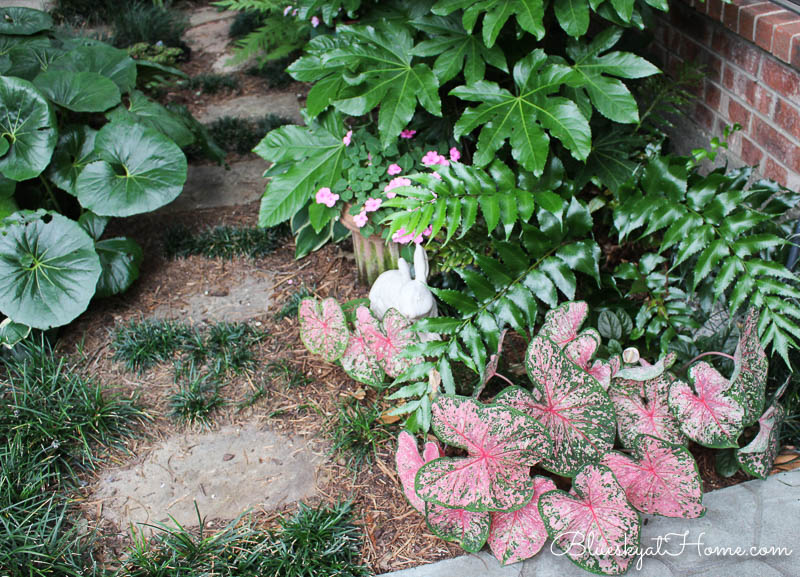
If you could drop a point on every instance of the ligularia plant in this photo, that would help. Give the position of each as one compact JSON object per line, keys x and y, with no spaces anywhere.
{"x":567,"y":423}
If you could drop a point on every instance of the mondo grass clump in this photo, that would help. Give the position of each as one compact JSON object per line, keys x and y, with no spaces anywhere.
{"x":198,"y":396}
{"x":213,"y":83}
{"x":241,"y":135}
{"x":141,"y":344}
{"x":226,"y":242}
{"x":356,"y":433}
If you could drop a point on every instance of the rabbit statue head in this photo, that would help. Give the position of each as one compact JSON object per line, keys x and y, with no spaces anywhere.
{"x":395,"y":289}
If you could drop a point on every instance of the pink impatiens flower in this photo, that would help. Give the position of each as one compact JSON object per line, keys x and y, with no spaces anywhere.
{"x":455,"y":155}
{"x":395,"y":183}
{"x":403,"y":237}
{"x":361,"y":219}
{"x":326,"y":197}
{"x":408,"y":133}
{"x":348,"y":138}
{"x":431,"y":157}
{"x":394,"y":169}
{"x":287,"y":10}
{"x":372,"y":204}
{"x":314,"y":21}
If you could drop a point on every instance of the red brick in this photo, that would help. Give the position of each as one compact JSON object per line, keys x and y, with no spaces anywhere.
{"x":730,"y":16}
{"x":704,"y":116}
{"x":686,"y":21}
{"x":782,"y":40}
{"x":710,"y":65}
{"x":749,"y":14}
{"x":781,"y":78}
{"x":763,"y":101}
{"x":775,"y":143}
{"x":714,"y":9}
{"x":738,"y":113}
{"x":794,"y":57}
{"x":751,"y":153}
{"x":787,"y":117}
{"x":713,"y":94}
{"x":720,"y":42}
{"x":775,"y":171}
{"x":689,"y":50}
{"x":765,"y":26}
{"x":745,"y":56}
{"x":739,"y":84}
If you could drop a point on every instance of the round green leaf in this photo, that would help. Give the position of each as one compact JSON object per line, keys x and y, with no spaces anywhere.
{"x":23,"y":21}
{"x":120,"y":259}
{"x":28,"y":124}
{"x":79,"y":91}
{"x":31,"y":56}
{"x":103,"y":59}
{"x":8,"y":204}
{"x":142,"y":110}
{"x":75,"y":150}
{"x":48,"y":269}
{"x":11,"y":333}
{"x":139,"y":170}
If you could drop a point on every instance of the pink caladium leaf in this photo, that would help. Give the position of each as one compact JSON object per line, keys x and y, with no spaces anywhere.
{"x":645,"y":371}
{"x":470,"y":529}
{"x":662,"y":479}
{"x":323,"y":328}
{"x":757,"y":457}
{"x":360,"y":363}
{"x":502,"y":445}
{"x":408,"y":462}
{"x":520,"y":534}
{"x":712,"y":414}
{"x":593,"y":524}
{"x":750,"y":366}
{"x":562,"y":323}
{"x":582,"y":349}
{"x":387,"y":342}
{"x":645,"y":415}
{"x":571,"y":405}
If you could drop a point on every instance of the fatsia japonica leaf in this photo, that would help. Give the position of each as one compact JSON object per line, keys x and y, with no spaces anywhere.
{"x":570,"y":404}
{"x":323,"y":328}
{"x":520,"y":534}
{"x":750,"y":366}
{"x":757,"y":457}
{"x":711,"y":412}
{"x":501,"y":443}
{"x":28,"y":127}
{"x":523,"y":118}
{"x":408,"y":461}
{"x":642,"y":409}
{"x":593,"y":524}
{"x":660,"y":478}
{"x":469,"y":529}
{"x":529,"y":15}
{"x":48,"y":269}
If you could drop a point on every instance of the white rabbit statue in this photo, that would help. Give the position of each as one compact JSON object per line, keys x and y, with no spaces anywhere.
{"x":395,"y":289}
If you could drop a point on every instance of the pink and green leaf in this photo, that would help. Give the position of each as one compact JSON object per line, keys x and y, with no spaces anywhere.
{"x":470,"y":529}
{"x":399,"y":337}
{"x":713,"y":413}
{"x":582,"y":349}
{"x":408,"y":462}
{"x":360,"y":363}
{"x":502,"y":445}
{"x":571,"y":405}
{"x":662,"y":479}
{"x":648,"y":415}
{"x":561,"y":324}
{"x":520,"y":534}
{"x":646,"y":371}
{"x":593,"y":524}
{"x":758,"y":456}
{"x":323,"y":328}
{"x":750,"y":366}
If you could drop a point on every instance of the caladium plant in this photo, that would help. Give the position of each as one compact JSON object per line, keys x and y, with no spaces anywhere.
{"x":323,"y":328}
{"x":750,"y":368}
{"x":757,"y":457}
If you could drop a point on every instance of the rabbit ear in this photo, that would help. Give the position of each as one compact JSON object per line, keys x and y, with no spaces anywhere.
{"x":405,"y":272}
{"x":420,"y":263}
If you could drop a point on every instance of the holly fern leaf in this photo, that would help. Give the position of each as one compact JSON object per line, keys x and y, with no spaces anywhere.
{"x":525,"y":119}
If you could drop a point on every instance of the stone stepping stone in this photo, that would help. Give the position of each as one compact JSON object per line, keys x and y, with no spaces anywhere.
{"x":210,"y":185}
{"x":254,"y":106}
{"x":43,"y":5}
{"x":225,"y":472}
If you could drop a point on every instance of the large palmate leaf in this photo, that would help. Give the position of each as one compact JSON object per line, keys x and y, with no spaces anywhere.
{"x":140,"y":109}
{"x":48,"y":269}
{"x":21,"y":21}
{"x":642,"y":409}
{"x":470,"y":529}
{"x":661,"y":478}
{"x":323,"y":328}
{"x":757,"y":457}
{"x":750,"y":366}
{"x":529,"y":14}
{"x":712,"y":414}
{"x":75,"y":149}
{"x":138,"y":170}
{"x":593,"y":524}
{"x":520,"y":534}
{"x":455,"y":50}
{"x":569,"y":403}
{"x":523,"y":118}
{"x":408,"y":461}
{"x":120,"y":258}
{"x":593,"y":73}
{"x":113,"y":63}
{"x":27,"y":127}
{"x":501,"y":443}
{"x":78,"y":91}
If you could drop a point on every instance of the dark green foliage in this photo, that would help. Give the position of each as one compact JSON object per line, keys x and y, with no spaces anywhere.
{"x":241,"y":135}
{"x":274,"y":72}
{"x":198,"y":396}
{"x":289,"y":308}
{"x":285,"y":372}
{"x":315,"y":542}
{"x":229,"y":346}
{"x":90,"y":11}
{"x":145,"y":21}
{"x":244,"y":23}
{"x":144,"y":343}
{"x":213,"y":83}
{"x":356,"y":434}
{"x":225,"y":242}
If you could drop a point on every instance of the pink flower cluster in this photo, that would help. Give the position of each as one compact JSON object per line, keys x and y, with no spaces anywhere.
{"x":395,"y":183}
{"x":348,"y":138}
{"x":403,"y":237}
{"x":408,"y":133}
{"x":371,"y":205}
{"x":326,"y":197}
{"x":432,"y":158}
{"x":314,"y":21}
{"x":289,"y":9}
{"x":394,"y":169}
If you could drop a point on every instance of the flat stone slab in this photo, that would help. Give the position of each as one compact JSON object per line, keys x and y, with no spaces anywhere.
{"x":752,"y":515}
{"x":210,"y":185}
{"x":43,"y":5}
{"x":206,"y":14}
{"x":225,"y":472}
{"x":254,"y":106}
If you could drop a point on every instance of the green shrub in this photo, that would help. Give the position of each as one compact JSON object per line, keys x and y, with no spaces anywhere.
{"x":225,"y":242}
{"x":241,"y":135}
{"x":147,"y":22}
{"x":213,"y":83}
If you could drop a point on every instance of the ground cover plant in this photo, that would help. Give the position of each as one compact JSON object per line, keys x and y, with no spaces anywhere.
{"x":223,"y":241}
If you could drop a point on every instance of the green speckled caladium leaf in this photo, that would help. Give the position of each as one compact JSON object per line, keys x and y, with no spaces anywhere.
{"x":712,"y":413}
{"x":75,"y":150}
{"x":570,"y":404}
{"x":662,"y":479}
{"x":408,"y":461}
{"x":642,"y":409}
{"x":323,"y":328}
{"x":502,"y":445}
{"x":388,"y":341}
{"x":593,"y":524}
{"x":750,"y":366}
{"x":520,"y":534}
{"x":646,"y":371}
{"x":21,"y":21}
{"x":757,"y":457}
{"x":562,"y":323}
{"x":469,"y":529}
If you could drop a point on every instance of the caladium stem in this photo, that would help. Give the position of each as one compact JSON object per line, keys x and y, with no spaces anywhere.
{"x":700,"y":356}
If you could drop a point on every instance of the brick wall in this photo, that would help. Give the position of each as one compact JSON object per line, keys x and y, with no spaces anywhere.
{"x":750,"y":54}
